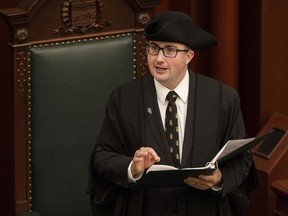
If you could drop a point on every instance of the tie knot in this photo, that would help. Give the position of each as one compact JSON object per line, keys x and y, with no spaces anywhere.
{"x":171,"y":96}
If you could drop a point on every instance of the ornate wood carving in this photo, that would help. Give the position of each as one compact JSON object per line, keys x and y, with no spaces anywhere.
{"x":21,"y":35}
{"x":144,"y":4}
{"x":82,"y":16}
{"x":142,"y":66}
{"x":22,"y":127}
{"x":143,"y":19}
{"x":21,"y":70}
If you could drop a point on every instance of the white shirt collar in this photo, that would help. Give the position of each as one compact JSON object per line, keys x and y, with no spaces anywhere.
{"x":182,"y":89}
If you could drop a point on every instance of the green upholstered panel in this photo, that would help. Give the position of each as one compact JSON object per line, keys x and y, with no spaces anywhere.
{"x":70,"y":84}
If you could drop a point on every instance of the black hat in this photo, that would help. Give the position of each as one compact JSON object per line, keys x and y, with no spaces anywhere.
{"x":173,"y":26}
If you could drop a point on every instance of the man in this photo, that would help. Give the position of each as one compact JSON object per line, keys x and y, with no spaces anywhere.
{"x":133,"y":134}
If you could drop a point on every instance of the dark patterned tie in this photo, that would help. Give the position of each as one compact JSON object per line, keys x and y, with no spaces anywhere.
{"x":171,"y":127}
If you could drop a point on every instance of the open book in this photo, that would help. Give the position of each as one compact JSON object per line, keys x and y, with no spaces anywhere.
{"x":159,"y":175}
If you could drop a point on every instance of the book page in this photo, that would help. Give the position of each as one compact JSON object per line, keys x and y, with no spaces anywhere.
{"x":160,"y":167}
{"x":209,"y":165}
{"x":230,"y":146}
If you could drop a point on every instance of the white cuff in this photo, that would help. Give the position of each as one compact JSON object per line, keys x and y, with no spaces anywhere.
{"x":130,"y":176}
{"x":217,"y":187}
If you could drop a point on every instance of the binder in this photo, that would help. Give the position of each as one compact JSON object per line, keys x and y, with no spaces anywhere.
{"x":160,"y":176}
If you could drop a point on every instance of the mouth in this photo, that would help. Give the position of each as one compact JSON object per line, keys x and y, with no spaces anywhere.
{"x":160,"y":69}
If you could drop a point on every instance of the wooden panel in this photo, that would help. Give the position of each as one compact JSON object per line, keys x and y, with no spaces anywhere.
{"x":280,"y":188}
{"x":271,"y":167}
{"x":263,"y":65}
{"x":7,"y":120}
{"x":250,"y":60}
{"x":274,"y":52}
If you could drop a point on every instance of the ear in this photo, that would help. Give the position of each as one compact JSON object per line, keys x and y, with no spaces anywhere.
{"x":189,"y":56}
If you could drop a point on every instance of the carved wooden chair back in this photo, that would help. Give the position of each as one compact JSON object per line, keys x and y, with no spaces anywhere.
{"x":66,"y":57}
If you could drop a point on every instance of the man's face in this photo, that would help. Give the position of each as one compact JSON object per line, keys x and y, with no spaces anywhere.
{"x":166,"y":70}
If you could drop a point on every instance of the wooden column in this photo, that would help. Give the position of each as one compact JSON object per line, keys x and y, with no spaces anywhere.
{"x":263,"y":54}
{"x":7,"y":191}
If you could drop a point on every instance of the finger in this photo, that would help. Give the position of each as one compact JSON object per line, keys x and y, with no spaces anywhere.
{"x":147,"y":151}
{"x":153,"y":154}
{"x":198,"y":186}
{"x":141,"y":153}
{"x":206,"y":177}
{"x":198,"y":183}
{"x":215,"y":178}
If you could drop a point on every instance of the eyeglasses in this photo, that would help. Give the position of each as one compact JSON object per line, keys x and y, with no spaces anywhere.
{"x":169,"y":52}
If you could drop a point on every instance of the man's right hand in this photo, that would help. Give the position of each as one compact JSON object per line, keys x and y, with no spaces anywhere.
{"x":143,"y":159}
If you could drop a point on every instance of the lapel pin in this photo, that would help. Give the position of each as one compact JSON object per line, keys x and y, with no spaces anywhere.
{"x":149,"y":110}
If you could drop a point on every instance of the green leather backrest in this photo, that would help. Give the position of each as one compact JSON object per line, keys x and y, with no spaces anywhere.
{"x":70,"y":83}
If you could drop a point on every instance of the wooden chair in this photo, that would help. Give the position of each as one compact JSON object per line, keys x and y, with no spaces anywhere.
{"x":66,"y":57}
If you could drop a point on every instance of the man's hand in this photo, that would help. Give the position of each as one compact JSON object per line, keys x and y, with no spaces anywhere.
{"x":204,"y":182}
{"x":143,"y":159}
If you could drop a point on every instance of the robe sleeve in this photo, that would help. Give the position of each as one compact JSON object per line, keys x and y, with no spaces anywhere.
{"x":116,"y":144}
{"x":107,"y":163}
{"x":239,"y":173}
{"x":111,"y":155}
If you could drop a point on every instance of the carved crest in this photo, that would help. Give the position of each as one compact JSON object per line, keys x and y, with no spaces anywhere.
{"x":81,"y":16}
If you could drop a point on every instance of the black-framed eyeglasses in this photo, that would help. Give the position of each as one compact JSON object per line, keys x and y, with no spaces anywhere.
{"x":170,"y":52}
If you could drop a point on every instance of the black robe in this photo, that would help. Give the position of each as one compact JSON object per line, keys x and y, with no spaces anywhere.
{"x":132,"y":120}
